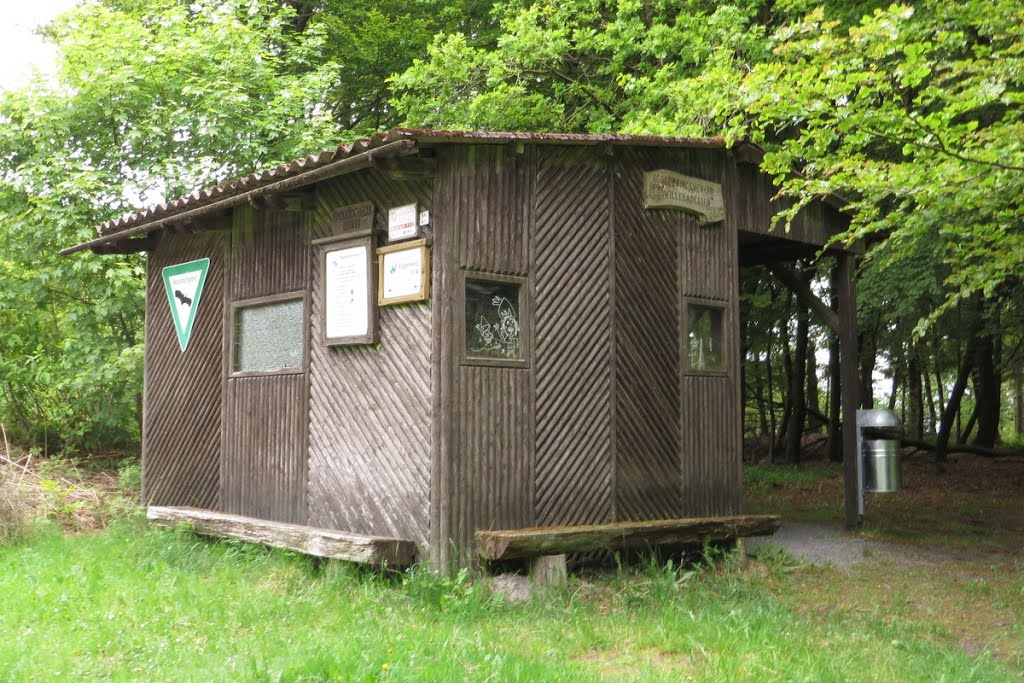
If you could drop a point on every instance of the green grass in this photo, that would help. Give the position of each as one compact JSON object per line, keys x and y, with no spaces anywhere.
{"x":140,"y":604}
{"x":763,"y":476}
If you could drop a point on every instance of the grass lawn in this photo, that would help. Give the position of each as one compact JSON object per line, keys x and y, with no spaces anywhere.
{"x":133,"y":603}
{"x":120,"y":601}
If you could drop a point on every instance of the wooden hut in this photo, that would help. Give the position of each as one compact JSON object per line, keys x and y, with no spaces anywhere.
{"x":429,"y":333}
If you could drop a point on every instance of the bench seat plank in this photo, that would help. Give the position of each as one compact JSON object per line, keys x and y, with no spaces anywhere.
{"x":520,"y":543}
{"x":340,"y":545}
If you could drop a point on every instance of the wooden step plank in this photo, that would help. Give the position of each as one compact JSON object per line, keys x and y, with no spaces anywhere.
{"x":340,"y":545}
{"x":518,"y":543}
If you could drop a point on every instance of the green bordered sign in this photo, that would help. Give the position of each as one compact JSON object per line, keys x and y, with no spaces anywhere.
{"x":184,"y":284}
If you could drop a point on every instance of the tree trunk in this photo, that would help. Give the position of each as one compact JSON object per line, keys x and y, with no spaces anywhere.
{"x":915,"y":414}
{"x":868,"y":346}
{"x":932,"y":419}
{"x":771,"y":399}
{"x":941,"y":387}
{"x":813,"y":391}
{"x":988,"y":390}
{"x":787,"y":368}
{"x":895,"y":391}
{"x":1019,"y":402}
{"x":835,"y":385}
{"x":971,"y":421}
{"x":797,"y":389}
{"x":762,"y":414}
{"x":952,"y":408}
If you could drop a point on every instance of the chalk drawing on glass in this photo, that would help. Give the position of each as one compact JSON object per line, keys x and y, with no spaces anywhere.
{"x":492,"y":320}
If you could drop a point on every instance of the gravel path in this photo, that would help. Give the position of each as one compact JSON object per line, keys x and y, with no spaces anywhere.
{"x":819,"y":544}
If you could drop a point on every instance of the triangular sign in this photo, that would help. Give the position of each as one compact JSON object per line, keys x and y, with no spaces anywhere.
{"x":184,"y":284}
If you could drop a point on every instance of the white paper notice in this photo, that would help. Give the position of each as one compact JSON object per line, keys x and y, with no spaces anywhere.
{"x":403,"y":273}
{"x":347,"y":303}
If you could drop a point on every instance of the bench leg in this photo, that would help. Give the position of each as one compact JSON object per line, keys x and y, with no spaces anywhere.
{"x":549,"y":570}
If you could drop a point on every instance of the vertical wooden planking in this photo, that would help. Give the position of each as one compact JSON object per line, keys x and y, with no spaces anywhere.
{"x":371,"y":414}
{"x":487,"y":464}
{"x":264,"y":425}
{"x":573,"y":338}
{"x":264,"y":463}
{"x":443,"y":452}
{"x":182,"y":390}
{"x":491,"y":227}
{"x":269,"y":253}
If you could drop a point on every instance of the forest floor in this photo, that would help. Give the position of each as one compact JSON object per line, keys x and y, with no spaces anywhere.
{"x":947,"y":550}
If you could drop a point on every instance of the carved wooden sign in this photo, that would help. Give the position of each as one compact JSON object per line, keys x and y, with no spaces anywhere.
{"x":670,"y":190}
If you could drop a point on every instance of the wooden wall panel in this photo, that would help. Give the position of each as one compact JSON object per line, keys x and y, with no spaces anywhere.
{"x":756,"y":207}
{"x":264,"y":424}
{"x":483,"y":453}
{"x":647,"y":309}
{"x":182,"y":394}
{"x":711,"y":436}
{"x":269,"y":253}
{"x":574,"y":343}
{"x":678,"y":434}
{"x":494,"y":463}
{"x":370,"y":406}
{"x":264,"y":466}
{"x":492,"y":224}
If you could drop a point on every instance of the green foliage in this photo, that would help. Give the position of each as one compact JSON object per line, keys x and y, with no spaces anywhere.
{"x":915,"y":115}
{"x":589,"y":66}
{"x":154,"y":99}
{"x":129,"y":478}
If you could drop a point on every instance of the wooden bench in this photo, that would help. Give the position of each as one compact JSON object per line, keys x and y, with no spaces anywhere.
{"x":546,"y":547}
{"x":339,"y":545}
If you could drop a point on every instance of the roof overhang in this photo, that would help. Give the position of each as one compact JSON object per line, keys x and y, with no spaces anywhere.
{"x":131,"y":233}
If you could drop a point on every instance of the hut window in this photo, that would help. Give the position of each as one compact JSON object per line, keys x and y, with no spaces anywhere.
{"x":269,"y":336}
{"x":494,"y":321}
{"x":705,"y":351}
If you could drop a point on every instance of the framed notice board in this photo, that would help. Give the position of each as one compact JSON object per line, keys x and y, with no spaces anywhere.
{"x":404,"y":272}
{"x":348,"y":283}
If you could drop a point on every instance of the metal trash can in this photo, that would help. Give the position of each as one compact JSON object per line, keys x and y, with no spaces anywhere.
{"x":878,"y":433}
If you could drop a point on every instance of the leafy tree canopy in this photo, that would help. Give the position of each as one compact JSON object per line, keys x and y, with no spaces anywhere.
{"x":915,"y":114}
{"x":152,"y":99}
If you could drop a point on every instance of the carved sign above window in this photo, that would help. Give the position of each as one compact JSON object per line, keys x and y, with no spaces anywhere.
{"x":670,"y":190}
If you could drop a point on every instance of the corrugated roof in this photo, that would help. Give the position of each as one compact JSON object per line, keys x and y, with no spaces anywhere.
{"x":303,"y":165}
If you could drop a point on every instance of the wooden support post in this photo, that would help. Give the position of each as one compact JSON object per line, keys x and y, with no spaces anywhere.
{"x":549,"y":570}
{"x":847,"y":295}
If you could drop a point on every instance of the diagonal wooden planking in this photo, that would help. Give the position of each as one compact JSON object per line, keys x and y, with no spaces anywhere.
{"x":370,"y":406}
{"x":182,"y":390}
{"x":573,"y":332}
{"x":647,"y":348}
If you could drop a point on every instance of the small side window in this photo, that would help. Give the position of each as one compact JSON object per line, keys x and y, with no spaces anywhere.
{"x":269,"y":336}
{"x":494,"y":332}
{"x":705,"y":340}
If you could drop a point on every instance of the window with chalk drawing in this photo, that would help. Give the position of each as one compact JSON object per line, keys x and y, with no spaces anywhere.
{"x":493,"y":322}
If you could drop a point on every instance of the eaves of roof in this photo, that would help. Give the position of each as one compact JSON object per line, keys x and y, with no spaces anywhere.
{"x":309,"y":169}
